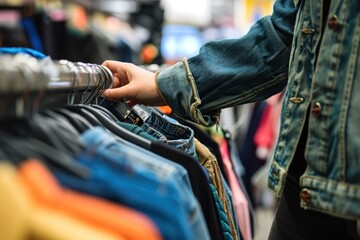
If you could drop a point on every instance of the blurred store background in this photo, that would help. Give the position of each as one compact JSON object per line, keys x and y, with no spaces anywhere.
{"x":139,"y":31}
{"x":155,"y":33}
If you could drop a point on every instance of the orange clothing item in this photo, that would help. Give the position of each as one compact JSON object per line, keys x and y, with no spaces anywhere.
{"x":48,"y":224}
{"x":21,"y":218}
{"x":123,"y":221}
{"x":165,"y":110}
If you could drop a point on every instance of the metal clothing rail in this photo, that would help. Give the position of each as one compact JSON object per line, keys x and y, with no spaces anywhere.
{"x":22,"y":73}
{"x":25,"y":80}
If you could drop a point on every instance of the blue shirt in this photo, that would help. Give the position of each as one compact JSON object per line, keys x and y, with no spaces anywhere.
{"x":125,"y":174}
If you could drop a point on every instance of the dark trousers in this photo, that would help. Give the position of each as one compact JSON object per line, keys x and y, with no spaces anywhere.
{"x":291,"y":222}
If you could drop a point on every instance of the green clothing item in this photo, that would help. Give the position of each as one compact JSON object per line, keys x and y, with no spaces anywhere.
{"x":137,"y":130}
{"x":224,"y":221}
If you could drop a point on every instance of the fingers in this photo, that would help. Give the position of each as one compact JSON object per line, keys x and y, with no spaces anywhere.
{"x":115,"y":94}
{"x":118,"y":81}
{"x":120,"y":72}
{"x":132,"y":83}
{"x":112,"y":65}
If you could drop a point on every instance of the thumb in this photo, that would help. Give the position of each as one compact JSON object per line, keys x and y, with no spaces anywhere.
{"x":115,"y":94}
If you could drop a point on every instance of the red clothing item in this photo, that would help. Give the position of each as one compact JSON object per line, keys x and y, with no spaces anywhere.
{"x":267,"y":132}
{"x":240,"y":201}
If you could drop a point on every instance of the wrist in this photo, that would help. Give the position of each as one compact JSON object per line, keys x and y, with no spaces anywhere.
{"x":161,"y":95}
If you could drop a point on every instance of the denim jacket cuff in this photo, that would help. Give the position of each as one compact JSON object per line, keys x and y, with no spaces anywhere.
{"x":177,"y":86}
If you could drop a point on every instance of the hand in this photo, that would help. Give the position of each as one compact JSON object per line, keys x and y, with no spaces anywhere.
{"x":133,"y":84}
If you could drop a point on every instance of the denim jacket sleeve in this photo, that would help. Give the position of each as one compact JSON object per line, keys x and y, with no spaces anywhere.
{"x":231,"y":72}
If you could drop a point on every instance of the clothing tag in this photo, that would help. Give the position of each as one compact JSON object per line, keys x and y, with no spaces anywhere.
{"x":128,"y":114}
{"x":123,"y":112}
{"x":134,"y":119}
{"x":123,"y":109}
{"x":142,"y":111}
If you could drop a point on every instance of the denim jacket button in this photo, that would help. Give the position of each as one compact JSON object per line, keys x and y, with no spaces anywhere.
{"x":333,"y":22}
{"x":316,"y":109}
{"x":296,"y":99}
{"x":308,"y":31}
{"x":305,"y":196}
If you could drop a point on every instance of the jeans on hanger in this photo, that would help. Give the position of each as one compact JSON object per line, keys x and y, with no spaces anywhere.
{"x":176,"y":134}
{"x":139,"y":179}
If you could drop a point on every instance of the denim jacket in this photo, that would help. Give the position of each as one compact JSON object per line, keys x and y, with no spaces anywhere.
{"x":319,"y":63}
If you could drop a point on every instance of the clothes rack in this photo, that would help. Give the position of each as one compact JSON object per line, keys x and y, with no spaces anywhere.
{"x":23,"y":76}
{"x":53,"y":75}
{"x":107,"y":152}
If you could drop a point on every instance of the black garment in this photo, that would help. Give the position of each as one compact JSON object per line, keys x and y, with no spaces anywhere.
{"x":53,"y":34}
{"x":89,"y":48}
{"x":205,"y":139}
{"x":293,"y":222}
{"x":199,"y":184}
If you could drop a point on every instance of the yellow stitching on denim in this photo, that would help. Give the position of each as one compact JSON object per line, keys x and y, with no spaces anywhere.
{"x":158,"y":88}
{"x":197,"y":100}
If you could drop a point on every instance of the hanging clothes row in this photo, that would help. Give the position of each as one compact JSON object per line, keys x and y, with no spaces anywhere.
{"x":84,"y":30}
{"x":103,"y":169}
{"x":221,"y":148}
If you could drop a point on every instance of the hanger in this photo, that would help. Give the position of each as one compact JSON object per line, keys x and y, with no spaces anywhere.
{"x":56,"y":133}
{"x":19,"y":148}
{"x":123,"y":112}
{"x":61,"y":119}
{"x":75,"y":119}
{"x":85,"y":114}
{"x":105,"y":111}
{"x":114,"y":128}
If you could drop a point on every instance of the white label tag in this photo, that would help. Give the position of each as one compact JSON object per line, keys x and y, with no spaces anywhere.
{"x":142,"y":112}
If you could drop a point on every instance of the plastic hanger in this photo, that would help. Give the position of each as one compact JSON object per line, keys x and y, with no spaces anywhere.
{"x":61,"y":119}
{"x":56,"y":133}
{"x":116,"y":129}
{"x":78,"y":121}
{"x":106,"y":111}
{"x":20,"y":147}
{"x":87,"y":115}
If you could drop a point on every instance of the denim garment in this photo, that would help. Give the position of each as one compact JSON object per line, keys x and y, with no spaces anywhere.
{"x":195,"y":216}
{"x":233,"y":71}
{"x":327,"y":84}
{"x":321,"y":67}
{"x":156,"y":134}
{"x":126,"y":175}
{"x":176,"y":134}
